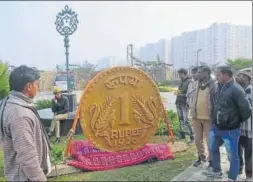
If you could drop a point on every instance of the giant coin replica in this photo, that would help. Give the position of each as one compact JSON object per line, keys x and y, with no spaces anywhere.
{"x":120,"y":109}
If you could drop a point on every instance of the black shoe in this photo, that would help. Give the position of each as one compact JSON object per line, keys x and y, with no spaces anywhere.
{"x":191,"y":141}
{"x":57,"y":140}
{"x":182,"y":135}
{"x":210,"y":165}
{"x":198,"y":162}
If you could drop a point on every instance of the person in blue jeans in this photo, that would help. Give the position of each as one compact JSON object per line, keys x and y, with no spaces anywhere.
{"x":230,"y":110}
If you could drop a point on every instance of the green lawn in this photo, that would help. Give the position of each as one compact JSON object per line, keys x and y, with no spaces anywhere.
{"x":153,"y":171}
{"x":1,"y":166}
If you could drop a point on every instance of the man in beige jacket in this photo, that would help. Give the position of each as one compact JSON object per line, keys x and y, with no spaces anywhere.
{"x":24,"y":139}
{"x":201,"y":102}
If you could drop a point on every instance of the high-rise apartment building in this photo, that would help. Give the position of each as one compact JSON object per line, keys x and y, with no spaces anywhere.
{"x":150,"y":51}
{"x":106,"y":62}
{"x":110,"y":61}
{"x":218,"y":43}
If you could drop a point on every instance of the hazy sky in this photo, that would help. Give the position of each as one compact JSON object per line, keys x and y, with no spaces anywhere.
{"x":28,"y":34}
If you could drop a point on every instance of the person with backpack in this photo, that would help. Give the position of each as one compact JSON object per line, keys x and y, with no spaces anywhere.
{"x":25,"y":144}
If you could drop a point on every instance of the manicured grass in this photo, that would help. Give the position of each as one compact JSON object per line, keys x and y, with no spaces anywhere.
{"x":155,"y":171}
{"x":1,"y":166}
{"x":152,"y":171}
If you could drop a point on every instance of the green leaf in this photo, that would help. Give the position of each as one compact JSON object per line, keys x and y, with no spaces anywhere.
{"x":4,"y":80}
{"x":240,"y":63}
{"x":43,"y":104}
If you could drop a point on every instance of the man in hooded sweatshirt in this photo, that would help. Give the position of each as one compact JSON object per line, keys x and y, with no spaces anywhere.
{"x":24,"y":139}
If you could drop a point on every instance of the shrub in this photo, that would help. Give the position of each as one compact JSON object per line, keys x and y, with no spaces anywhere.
{"x":4,"y":80}
{"x":169,"y":82}
{"x":57,"y":156}
{"x":174,"y":124}
{"x":166,"y":89}
{"x":43,"y":104}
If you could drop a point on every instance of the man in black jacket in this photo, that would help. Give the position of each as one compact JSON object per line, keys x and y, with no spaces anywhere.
{"x":182,"y":106}
{"x":230,"y":110}
{"x":60,"y":107}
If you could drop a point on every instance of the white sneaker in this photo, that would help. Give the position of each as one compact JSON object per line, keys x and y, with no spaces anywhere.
{"x":230,"y":179}
{"x":210,"y":173}
{"x":248,"y":179}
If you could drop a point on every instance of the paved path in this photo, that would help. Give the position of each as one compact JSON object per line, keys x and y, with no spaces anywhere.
{"x":195,"y":174}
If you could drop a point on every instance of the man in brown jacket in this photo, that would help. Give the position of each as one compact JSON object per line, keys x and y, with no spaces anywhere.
{"x":201,"y":106}
{"x":24,"y":139}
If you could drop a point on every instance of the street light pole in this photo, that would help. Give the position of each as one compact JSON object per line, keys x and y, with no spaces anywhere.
{"x":131,"y":54}
{"x":127,"y":54}
{"x":66,"y":24}
{"x":131,"y":49}
{"x":198,"y":57}
{"x":66,"y":45}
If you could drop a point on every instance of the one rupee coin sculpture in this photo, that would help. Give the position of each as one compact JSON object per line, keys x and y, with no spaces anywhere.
{"x":120,"y":109}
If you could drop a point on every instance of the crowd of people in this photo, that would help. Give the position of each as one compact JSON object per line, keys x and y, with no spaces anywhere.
{"x":221,"y":114}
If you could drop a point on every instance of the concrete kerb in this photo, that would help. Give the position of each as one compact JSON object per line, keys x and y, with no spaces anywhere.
{"x":196,"y":173}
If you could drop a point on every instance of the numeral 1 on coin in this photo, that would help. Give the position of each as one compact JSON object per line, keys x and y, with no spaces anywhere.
{"x":124,"y":108}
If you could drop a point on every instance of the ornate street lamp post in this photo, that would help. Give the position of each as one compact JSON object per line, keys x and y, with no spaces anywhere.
{"x":66,"y":24}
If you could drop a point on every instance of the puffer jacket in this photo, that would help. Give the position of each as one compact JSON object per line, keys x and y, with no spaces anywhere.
{"x":232,"y":106}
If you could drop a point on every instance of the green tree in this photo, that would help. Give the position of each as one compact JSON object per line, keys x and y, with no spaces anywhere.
{"x":4,"y":80}
{"x":240,"y":63}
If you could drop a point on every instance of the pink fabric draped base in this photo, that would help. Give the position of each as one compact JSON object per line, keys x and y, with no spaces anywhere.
{"x":86,"y":156}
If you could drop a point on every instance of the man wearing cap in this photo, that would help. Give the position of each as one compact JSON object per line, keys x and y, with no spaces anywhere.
{"x":245,"y":141}
{"x":60,"y":107}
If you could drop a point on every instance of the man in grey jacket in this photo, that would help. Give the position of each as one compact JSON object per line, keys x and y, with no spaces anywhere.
{"x":24,"y":139}
{"x":182,"y":106}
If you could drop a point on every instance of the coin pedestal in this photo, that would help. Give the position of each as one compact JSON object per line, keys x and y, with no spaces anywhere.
{"x":87,"y":157}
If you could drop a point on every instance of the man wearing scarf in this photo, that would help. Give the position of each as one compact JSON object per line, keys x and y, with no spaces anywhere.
{"x":26,"y":146}
{"x":201,"y":106}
